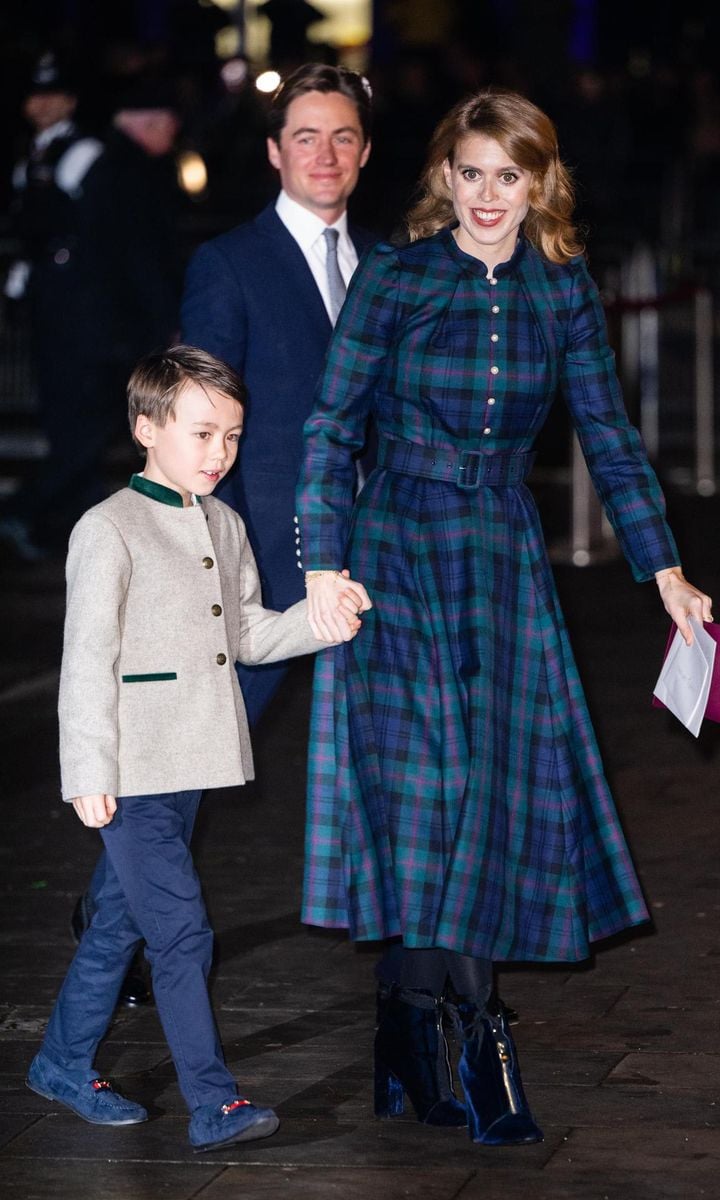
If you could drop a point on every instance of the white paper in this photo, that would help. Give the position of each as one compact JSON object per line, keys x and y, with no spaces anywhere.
{"x":684,"y":682}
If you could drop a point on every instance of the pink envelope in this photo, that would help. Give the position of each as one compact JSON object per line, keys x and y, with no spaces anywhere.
{"x":712,"y":712}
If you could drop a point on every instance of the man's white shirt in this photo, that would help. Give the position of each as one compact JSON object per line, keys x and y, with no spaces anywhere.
{"x":308,"y":230}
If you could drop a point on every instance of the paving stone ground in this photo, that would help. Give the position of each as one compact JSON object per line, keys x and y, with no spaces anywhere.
{"x":621,"y":1056}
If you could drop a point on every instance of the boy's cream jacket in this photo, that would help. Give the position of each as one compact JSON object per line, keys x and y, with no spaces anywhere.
{"x":161,"y":601}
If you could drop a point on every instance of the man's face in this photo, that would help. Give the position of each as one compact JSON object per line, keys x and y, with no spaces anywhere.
{"x":320,"y":153}
{"x":43,"y":109}
{"x":155,"y":129}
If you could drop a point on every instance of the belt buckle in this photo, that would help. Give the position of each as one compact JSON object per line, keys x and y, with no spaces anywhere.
{"x":468,"y":474}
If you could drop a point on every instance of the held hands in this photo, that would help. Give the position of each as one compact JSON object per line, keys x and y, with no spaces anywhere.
{"x":334,"y":603}
{"x":682,"y":600}
{"x":95,"y":811}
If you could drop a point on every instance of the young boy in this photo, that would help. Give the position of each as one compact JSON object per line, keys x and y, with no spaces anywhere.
{"x":163,"y":597}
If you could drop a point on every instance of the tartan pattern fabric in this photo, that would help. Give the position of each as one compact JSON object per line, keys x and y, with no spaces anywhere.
{"x":456,"y":794}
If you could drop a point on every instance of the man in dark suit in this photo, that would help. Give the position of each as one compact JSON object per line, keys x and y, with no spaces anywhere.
{"x":264,"y":297}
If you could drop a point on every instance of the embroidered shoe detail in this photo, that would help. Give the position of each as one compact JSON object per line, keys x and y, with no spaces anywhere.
{"x":228,"y":1108}
{"x":99,"y":1084}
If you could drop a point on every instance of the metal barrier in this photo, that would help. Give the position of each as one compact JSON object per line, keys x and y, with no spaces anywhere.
{"x":705,"y":477}
{"x":639,"y":306}
{"x":17,"y":387}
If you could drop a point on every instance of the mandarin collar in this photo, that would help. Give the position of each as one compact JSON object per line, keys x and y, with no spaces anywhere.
{"x":158,"y":491}
{"x":469,"y":260}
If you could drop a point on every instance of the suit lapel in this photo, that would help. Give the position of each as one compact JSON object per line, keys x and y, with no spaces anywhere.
{"x":291,"y":269}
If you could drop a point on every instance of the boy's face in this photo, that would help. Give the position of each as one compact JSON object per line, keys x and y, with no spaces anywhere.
{"x":192,"y":452}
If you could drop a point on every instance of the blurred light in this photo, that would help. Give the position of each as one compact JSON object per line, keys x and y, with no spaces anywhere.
{"x":227,"y":41}
{"x":192,"y":174}
{"x":226,"y":5}
{"x":267,"y":81}
{"x":234,"y":73}
{"x":347,"y":26}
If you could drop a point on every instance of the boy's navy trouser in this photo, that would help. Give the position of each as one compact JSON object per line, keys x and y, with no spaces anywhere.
{"x":149,"y":891}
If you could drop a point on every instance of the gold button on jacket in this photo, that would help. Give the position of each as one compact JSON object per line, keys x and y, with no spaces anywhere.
{"x":183,"y":727}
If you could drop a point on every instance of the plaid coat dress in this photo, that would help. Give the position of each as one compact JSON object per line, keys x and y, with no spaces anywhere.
{"x":456,"y":795}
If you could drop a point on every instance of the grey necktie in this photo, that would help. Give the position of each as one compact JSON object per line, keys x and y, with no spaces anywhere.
{"x":336,"y":283}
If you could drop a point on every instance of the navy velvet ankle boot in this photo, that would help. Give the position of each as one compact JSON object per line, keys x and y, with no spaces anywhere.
{"x":497,"y":1110}
{"x":411,"y":1056}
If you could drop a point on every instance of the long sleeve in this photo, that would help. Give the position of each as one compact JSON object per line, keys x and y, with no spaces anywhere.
{"x":612,"y":446}
{"x":267,"y":636}
{"x":335,"y":430}
{"x":98,"y":573}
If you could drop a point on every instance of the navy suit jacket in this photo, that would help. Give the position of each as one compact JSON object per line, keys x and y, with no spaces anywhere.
{"x":250,"y":298}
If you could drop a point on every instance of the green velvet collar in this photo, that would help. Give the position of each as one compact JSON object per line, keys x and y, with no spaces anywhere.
{"x":156,"y":491}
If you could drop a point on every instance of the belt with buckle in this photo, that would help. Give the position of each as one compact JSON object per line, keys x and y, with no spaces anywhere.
{"x":467,"y":469}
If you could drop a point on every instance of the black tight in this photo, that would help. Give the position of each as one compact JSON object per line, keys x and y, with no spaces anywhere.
{"x":429,"y":970}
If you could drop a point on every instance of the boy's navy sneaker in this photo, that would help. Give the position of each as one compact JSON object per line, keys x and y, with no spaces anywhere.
{"x":215,"y":1125}
{"x":94,"y":1100}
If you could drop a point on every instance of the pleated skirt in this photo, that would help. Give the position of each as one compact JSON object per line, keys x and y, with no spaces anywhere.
{"x":456,"y":795}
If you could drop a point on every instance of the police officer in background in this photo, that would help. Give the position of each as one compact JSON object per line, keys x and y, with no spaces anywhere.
{"x":47,"y":185}
{"x":127,"y":277}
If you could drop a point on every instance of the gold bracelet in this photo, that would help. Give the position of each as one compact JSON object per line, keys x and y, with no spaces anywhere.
{"x":315,"y":574}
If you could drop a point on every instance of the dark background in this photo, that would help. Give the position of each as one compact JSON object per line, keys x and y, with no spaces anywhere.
{"x":633,"y":87}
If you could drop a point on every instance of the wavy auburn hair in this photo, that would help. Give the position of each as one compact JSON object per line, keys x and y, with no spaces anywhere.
{"x":528,"y":137}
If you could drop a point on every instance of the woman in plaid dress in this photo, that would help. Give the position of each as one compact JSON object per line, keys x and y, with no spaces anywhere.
{"x":457,"y":801}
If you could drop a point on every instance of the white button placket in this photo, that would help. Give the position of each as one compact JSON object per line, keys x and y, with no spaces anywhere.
{"x":491,"y":401}
{"x":298,"y":551}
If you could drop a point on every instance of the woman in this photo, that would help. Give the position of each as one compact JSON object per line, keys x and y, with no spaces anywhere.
{"x":457,"y":800}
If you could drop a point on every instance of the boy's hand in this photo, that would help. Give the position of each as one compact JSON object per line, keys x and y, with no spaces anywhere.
{"x":348,"y":608}
{"x":95,"y":811}
{"x":333,"y":600}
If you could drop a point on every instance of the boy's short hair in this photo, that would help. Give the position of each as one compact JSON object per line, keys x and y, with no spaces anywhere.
{"x":158,"y":379}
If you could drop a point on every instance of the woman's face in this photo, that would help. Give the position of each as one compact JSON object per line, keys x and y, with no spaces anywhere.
{"x":490,"y":197}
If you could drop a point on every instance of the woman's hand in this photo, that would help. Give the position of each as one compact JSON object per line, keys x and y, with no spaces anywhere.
{"x":95,"y":811}
{"x":682,"y":600}
{"x":334,"y":603}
